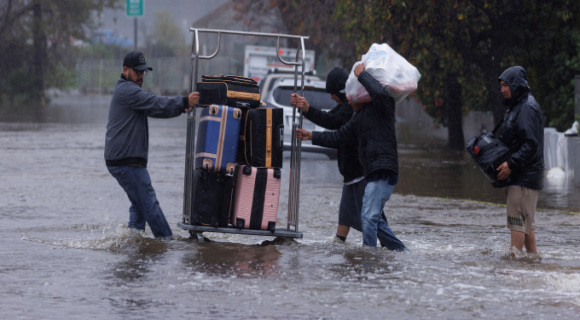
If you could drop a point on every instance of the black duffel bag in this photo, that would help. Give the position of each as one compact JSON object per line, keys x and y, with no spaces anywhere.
{"x":234,"y":91}
{"x":489,"y":152}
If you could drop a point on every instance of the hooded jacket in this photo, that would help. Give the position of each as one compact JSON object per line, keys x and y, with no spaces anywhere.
{"x":127,"y":138}
{"x":522,"y":131}
{"x":373,"y":127}
{"x":347,"y":153}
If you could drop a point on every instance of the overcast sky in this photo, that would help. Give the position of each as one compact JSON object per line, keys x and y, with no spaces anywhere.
{"x":184,"y":11}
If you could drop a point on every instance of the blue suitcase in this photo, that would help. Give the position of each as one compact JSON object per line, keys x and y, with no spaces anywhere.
{"x":217,"y":138}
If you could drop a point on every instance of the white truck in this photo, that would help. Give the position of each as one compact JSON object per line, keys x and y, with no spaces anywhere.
{"x":259,"y":60}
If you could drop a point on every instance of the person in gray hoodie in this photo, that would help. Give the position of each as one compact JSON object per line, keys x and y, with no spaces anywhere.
{"x":127,"y":141}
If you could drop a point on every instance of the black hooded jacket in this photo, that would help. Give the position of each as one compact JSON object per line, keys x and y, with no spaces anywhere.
{"x":347,"y":152}
{"x":522,"y":131}
{"x":374,"y":129}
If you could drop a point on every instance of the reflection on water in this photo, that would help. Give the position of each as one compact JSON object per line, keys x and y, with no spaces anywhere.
{"x":143,"y":253}
{"x":227,"y":259}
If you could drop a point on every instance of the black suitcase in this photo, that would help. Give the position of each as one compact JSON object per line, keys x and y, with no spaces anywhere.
{"x":261,"y":142}
{"x":212,"y":200}
{"x":234,"y":91}
{"x":488,"y":152}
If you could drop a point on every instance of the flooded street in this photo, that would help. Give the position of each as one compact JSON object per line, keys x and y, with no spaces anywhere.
{"x":67,"y":254}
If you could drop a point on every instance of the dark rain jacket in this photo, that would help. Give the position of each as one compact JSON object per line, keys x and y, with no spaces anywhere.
{"x":374,"y":129}
{"x":127,"y":138}
{"x":522,"y":131}
{"x":347,"y":153}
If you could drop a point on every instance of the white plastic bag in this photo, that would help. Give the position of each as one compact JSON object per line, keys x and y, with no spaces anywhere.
{"x":399,"y":77}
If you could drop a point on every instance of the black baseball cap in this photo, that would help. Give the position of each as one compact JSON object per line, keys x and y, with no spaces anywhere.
{"x":136,"y":60}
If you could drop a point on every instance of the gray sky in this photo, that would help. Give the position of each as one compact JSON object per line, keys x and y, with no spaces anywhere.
{"x":184,"y":11}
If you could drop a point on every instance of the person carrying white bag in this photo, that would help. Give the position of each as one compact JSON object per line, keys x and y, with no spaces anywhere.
{"x":373,"y":126}
{"x":394,"y":72}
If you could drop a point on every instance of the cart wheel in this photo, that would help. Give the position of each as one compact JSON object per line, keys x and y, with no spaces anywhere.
{"x":198,"y":236}
{"x":278,"y":241}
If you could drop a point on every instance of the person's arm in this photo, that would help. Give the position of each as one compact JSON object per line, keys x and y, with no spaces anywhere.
{"x":329,"y":139}
{"x":192,"y":101}
{"x":332,"y":120}
{"x":159,"y":106}
{"x":375,"y":89}
{"x":373,"y":86}
{"x":382,"y":104}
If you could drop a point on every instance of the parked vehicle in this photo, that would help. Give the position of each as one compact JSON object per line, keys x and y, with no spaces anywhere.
{"x":315,"y":93}
{"x":269,"y":79}
{"x":259,"y":60}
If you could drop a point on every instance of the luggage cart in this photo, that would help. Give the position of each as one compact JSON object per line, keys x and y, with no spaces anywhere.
{"x":291,"y":230}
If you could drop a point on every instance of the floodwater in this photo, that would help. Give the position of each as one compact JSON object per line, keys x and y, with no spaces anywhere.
{"x":66,"y":253}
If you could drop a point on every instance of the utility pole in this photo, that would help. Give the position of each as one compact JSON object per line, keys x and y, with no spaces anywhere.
{"x":135,"y":9}
{"x":135,"y":34}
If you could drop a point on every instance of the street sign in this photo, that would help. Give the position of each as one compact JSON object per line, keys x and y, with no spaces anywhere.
{"x":134,"y":8}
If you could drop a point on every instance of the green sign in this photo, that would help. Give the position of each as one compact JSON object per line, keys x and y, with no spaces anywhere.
{"x":134,"y":8}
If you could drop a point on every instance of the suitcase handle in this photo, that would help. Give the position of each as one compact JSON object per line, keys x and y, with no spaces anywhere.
{"x":269,"y":138}
{"x":281,"y":136}
{"x":230,"y":78}
{"x":243,"y":95}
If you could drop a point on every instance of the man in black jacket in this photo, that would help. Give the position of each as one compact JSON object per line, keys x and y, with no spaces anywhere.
{"x":373,"y":127}
{"x":522,"y":131}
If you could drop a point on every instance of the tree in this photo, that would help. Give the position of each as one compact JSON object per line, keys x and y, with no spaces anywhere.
{"x":35,"y":35}
{"x":468,"y":43}
{"x":460,"y":47}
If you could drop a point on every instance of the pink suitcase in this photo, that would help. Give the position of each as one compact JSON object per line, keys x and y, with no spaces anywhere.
{"x":256,"y":196}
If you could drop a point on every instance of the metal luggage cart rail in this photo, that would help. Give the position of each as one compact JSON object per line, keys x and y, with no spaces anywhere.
{"x":291,"y":230}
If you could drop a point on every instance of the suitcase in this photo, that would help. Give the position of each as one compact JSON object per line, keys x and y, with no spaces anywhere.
{"x":262,"y":138}
{"x":217,"y":138}
{"x":233,"y":91}
{"x":212,"y":199}
{"x":256,"y":197}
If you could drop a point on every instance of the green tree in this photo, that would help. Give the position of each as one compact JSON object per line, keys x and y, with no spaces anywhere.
{"x":37,"y":39}
{"x":460,"y":47}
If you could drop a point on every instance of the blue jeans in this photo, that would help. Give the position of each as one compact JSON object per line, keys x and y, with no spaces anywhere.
{"x":144,"y":205}
{"x":376,"y":195}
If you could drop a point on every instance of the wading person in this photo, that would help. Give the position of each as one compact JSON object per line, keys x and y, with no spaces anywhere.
{"x":127,"y":141}
{"x":347,"y":153}
{"x":522,"y":131}
{"x":373,"y":127}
